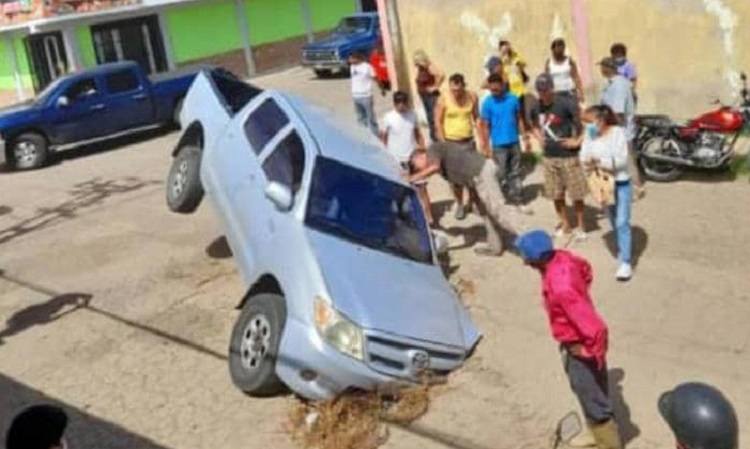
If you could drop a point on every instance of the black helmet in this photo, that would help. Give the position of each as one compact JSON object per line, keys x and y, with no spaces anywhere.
{"x":700,"y":417}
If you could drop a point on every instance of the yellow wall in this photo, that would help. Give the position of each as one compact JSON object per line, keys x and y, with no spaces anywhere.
{"x":683,"y":52}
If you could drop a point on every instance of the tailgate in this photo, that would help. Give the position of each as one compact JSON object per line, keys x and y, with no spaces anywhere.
{"x":205,"y":105}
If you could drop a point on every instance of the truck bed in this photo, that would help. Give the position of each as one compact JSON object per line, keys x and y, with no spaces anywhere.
{"x":178,"y":73}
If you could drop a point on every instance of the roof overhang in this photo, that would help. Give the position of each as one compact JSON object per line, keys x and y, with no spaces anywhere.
{"x":84,"y":18}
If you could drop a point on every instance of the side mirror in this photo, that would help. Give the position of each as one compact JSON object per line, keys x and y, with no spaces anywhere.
{"x":567,"y":429}
{"x":63,"y":102}
{"x":280,"y":196}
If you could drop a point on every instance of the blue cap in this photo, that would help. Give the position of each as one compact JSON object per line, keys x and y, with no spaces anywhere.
{"x":492,"y":64}
{"x":534,"y":246}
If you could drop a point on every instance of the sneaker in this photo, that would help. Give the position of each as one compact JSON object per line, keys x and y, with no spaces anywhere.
{"x":625,"y":272}
{"x":460,"y":212}
{"x":579,"y":235}
{"x":487,"y":252}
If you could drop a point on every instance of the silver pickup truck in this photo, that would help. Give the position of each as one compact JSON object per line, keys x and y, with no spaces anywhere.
{"x":343,"y":286}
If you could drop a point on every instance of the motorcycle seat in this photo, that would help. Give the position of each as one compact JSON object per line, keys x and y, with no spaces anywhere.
{"x":654,"y":120}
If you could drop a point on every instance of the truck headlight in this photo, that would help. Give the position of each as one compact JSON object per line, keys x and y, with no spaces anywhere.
{"x":337,"y":330}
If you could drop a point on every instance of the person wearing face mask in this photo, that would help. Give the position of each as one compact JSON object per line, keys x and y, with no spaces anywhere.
{"x":619,"y":52}
{"x":618,"y":95}
{"x":38,"y":427}
{"x":605,"y":146}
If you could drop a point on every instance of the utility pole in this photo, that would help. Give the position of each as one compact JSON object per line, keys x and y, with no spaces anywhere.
{"x":394,"y":44}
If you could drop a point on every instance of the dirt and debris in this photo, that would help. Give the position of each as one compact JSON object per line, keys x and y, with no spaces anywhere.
{"x":356,"y":420}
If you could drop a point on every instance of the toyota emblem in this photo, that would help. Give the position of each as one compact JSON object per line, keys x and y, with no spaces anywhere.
{"x":420,"y":360}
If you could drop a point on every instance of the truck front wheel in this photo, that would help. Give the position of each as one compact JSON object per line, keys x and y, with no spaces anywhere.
{"x":254,"y":347}
{"x":28,"y":151}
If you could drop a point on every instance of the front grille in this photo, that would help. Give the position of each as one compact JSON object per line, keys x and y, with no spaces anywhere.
{"x":407,"y":360}
{"x":320,"y":55}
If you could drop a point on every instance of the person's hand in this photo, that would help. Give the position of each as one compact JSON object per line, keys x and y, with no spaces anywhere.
{"x":577,"y":350}
{"x":526,"y":143}
{"x":592,"y":163}
{"x":569,"y":144}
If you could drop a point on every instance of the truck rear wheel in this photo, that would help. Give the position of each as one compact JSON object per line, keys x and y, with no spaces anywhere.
{"x":28,"y":151}
{"x":184,"y":189}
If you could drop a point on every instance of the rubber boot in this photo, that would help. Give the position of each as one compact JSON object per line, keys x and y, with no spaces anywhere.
{"x":583,"y":439}
{"x":607,"y":435}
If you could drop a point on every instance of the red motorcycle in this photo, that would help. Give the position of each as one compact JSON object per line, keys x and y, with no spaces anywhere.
{"x":666,"y":148}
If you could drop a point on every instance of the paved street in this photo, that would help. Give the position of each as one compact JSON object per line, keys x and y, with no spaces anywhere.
{"x":121,"y":311}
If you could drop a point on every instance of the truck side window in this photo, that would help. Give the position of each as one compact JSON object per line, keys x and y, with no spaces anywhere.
{"x":122,"y":81}
{"x":286,"y":164}
{"x":264,"y":123}
{"x":81,"y":90}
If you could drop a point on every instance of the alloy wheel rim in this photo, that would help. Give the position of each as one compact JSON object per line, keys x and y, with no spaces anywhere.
{"x":256,"y":342}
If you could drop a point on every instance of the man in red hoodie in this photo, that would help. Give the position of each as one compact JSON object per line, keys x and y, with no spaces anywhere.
{"x":577,"y":327}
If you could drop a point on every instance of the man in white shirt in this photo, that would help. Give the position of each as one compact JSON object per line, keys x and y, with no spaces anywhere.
{"x":363,"y":76}
{"x":401,"y":137}
{"x":400,"y":132}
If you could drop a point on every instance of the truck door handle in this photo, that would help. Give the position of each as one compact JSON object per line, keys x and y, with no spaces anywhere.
{"x":97,"y":107}
{"x":139,"y":97}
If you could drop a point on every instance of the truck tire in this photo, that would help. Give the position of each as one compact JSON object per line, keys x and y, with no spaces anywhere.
{"x":323,"y":73}
{"x":28,"y":151}
{"x":176,"y":113}
{"x":184,"y":189}
{"x":254,"y":346}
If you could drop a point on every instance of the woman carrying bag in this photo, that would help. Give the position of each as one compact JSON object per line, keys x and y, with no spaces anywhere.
{"x":604,"y":154}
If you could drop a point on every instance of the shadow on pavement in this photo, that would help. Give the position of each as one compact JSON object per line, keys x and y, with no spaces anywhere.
{"x":45,"y":313}
{"x":219,"y":249}
{"x":84,"y":430}
{"x":438,"y":437}
{"x":105,"y":146}
{"x":5,"y":210}
{"x":83,"y":195}
{"x":640,"y":243}
{"x":628,"y":430}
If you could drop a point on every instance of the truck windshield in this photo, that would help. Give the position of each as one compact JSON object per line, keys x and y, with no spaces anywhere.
{"x":353,"y":25}
{"x":367,"y":210}
{"x":47,"y":92}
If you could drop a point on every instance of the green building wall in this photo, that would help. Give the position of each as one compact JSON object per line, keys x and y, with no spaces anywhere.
{"x":202,"y":30}
{"x":86,"y":46}
{"x":287,"y":20}
{"x":327,"y":13}
{"x":7,"y":78}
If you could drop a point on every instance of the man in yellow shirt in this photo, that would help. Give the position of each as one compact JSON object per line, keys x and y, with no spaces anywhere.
{"x":456,"y":117}
{"x":514,"y":72}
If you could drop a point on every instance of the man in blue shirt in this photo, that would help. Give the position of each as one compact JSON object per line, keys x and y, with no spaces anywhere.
{"x":500,"y":127}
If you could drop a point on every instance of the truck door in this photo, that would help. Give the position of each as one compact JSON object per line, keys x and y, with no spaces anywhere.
{"x":77,"y":109}
{"x":129,"y":101}
{"x":236,"y":160}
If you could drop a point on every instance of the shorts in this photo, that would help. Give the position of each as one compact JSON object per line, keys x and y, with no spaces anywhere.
{"x":465,"y":145}
{"x":564,"y":174}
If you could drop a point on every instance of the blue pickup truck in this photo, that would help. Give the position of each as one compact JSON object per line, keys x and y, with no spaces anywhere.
{"x":92,"y":104}
{"x":359,"y":32}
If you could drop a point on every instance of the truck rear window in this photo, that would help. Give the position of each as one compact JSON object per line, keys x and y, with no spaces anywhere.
{"x":121,"y":81}
{"x":264,"y":123}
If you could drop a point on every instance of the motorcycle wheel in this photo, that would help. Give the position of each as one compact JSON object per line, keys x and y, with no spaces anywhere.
{"x":660,"y":171}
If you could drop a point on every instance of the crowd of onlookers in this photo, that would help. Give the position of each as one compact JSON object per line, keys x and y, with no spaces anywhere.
{"x":586,"y":145}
